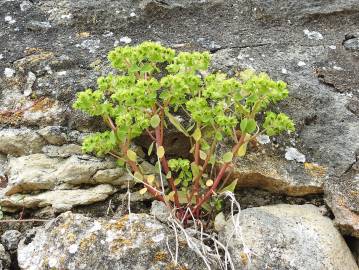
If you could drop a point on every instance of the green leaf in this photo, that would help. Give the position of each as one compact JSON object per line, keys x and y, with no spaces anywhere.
{"x":142,"y":191}
{"x":160,"y":152}
{"x":177,"y":181}
{"x":218,"y":136}
{"x":155,"y":121}
{"x":202,"y":155}
{"x":227,"y":157}
{"x":242,"y":150}
{"x":149,"y":152}
{"x":248,"y":125}
{"x":174,"y":121}
{"x":131,"y":155}
{"x":195,"y":169}
{"x":231,"y":187}
{"x":138,"y":177}
{"x":206,"y":207}
{"x":197,"y":134}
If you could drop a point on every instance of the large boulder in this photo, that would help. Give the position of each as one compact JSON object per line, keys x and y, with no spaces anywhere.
{"x":286,"y":237}
{"x":135,"y":241}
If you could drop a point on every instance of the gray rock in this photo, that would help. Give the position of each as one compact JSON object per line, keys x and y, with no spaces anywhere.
{"x":160,"y":211}
{"x":10,"y":239}
{"x":54,"y":134}
{"x":287,"y":237}
{"x":135,"y":241}
{"x":59,"y":200}
{"x":5,"y":260}
{"x":22,"y":141}
{"x":63,"y":151}
{"x":40,"y":172}
{"x":352,"y":44}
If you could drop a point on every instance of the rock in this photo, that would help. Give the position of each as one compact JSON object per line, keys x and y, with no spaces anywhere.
{"x":54,"y":134}
{"x":40,"y":172}
{"x":277,"y":175}
{"x":352,"y":44}
{"x":160,"y":211}
{"x":5,"y":260}
{"x":28,"y":173}
{"x":343,"y":198}
{"x":135,"y":241}
{"x":50,"y":113}
{"x":293,"y":154}
{"x":287,"y":237}
{"x":22,"y":141}
{"x":59,"y":200}
{"x":63,"y":151}
{"x":10,"y":239}
{"x":219,"y":222}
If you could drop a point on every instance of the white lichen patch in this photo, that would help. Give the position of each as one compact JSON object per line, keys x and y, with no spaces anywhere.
{"x":301,"y":64}
{"x":9,"y":20}
{"x":91,"y":44}
{"x":284,"y":71}
{"x":293,"y":154}
{"x":96,"y":227}
{"x":125,"y":40}
{"x":53,"y":262}
{"x":158,"y":238}
{"x":337,"y":68}
{"x":9,"y":72}
{"x":313,"y":34}
{"x":333,"y":47}
{"x":66,"y":16}
{"x":61,"y":73}
{"x":263,"y":139}
{"x":153,"y":226}
{"x":73,"y":248}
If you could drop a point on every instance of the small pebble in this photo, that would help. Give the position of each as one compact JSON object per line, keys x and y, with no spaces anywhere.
{"x":301,"y":64}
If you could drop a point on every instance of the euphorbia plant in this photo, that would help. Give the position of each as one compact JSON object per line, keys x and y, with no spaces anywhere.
{"x":153,"y":85}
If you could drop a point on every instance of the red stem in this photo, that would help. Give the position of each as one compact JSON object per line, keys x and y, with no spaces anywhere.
{"x":218,"y":178}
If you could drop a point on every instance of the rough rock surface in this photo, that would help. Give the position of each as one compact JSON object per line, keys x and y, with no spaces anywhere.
{"x":130,"y":242}
{"x":50,"y":50}
{"x":10,"y":239}
{"x":39,"y":172}
{"x":60,"y":200}
{"x":287,"y":237}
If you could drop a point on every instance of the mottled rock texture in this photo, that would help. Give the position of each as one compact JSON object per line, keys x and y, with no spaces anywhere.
{"x":287,"y":237}
{"x":73,"y":241}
